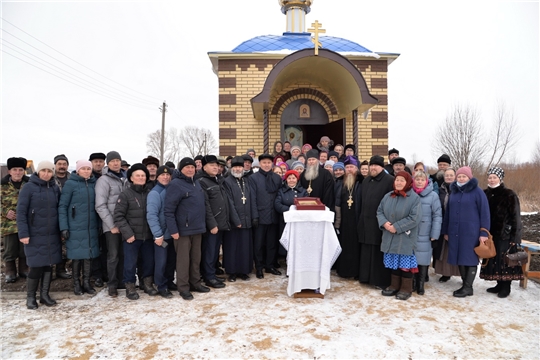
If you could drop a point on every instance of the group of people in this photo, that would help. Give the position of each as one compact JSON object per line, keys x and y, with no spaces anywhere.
{"x":166,"y":225}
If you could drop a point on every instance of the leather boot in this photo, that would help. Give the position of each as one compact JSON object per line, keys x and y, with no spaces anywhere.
{"x":147,"y":286}
{"x":405,"y":291}
{"x":11,"y":272}
{"x":44,"y":297}
{"x":61,"y":272}
{"x":31,"y":288}
{"x":395,"y":284}
{"x":23,"y":268}
{"x":422,"y":271}
{"x":467,"y":289}
{"x":87,"y":269}
{"x":131,"y":292}
{"x":76,"y":277}
{"x":496,"y":288}
{"x":463,"y":273}
{"x":506,"y":287}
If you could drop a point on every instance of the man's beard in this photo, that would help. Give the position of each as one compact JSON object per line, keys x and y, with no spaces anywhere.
{"x":349,"y":180}
{"x":312,"y":172}
{"x":237,"y":174}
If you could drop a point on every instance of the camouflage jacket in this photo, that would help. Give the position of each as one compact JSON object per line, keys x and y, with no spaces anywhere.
{"x":9,"y":198}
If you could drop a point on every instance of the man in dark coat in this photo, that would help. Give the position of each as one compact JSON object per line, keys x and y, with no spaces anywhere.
{"x":264,"y":186}
{"x":374,"y":187}
{"x":99,"y":264}
{"x":392,"y":154}
{"x":61,"y":176}
{"x":317,"y":181}
{"x":443,"y":163}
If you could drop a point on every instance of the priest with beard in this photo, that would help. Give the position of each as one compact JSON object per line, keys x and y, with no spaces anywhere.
{"x":238,"y":242}
{"x":317,"y":181}
{"x":347,"y":209}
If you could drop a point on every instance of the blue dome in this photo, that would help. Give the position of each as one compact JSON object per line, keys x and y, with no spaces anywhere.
{"x":297,"y":41}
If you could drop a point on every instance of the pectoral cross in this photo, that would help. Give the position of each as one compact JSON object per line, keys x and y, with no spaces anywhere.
{"x":316,"y":29}
{"x":243,"y":199}
{"x":309,"y":189}
{"x":350,"y":201}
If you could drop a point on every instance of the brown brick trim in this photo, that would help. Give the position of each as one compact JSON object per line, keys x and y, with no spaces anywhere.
{"x":228,"y":82}
{"x":377,"y":83}
{"x":376,"y":65}
{"x":304,"y":91}
{"x":379,"y":150}
{"x":226,"y":150}
{"x":227,"y":134}
{"x":227,"y":99}
{"x":227,"y":116}
{"x":379,"y":133}
{"x":244,"y":64}
{"x":383,"y":99}
{"x":379,"y":116}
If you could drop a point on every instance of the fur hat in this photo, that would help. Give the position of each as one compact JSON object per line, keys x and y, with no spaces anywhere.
{"x":246,"y":157}
{"x":136,"y":167}
{"x":113,"y":155}
{"x":444,"y":159}
{"x":82,"y":163}
{"x":170,"y":164}
{"x":393,"y":151}
{"x":60,"y":157}
{"x":150,"y":160}
{"x":185,"y":162}
{"x":94,"y":156}
{"x":497,"y":171}
{"x":350,"y":146}
{"x":208,"y":159}
{"x":312,"y":154}
{"x":45,"y":164}
{"x":399,"y":160}
{"x":465,"y":170}
{"x":376,"y":160}
{"x":16,"y":162}
{"x":265,"y":156}
{"x":238,"y":161}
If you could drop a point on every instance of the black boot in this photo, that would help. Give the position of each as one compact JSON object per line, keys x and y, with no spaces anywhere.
{"x":87,"y":270}
{"x":148,"y":287}
{"x":31,"y":288}
{"x":463,"y":273}
{"x":496,"y":288}
{"x":23,"y":267}
{"x":131,"y":292}
{"x":76,"y":264}
{"x":467,"y":289}
{"x":61,"y":272}
{"x":506,"y":287}
{"x":422,"y":271}
{"x":11,"y":271}
{"x":44,"y":297}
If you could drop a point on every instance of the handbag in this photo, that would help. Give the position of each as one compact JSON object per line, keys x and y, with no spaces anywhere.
{"x":519,"y":258}
{"x":486,"y":250}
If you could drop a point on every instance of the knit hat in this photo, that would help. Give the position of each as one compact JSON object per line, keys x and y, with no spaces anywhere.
{"x":170,"y":164}
{"x":295,"y":147}
{"x":198,"y":157}
{"x":325,"y":138}
{"x":265,"y":156}
{"x":94,"y":156}
{"x":350,"y":146}
{"x":329,"y":163}
{"x":350,"y":160}
{"x":150,"y":160}
{"x":297,"y":164}
{"x":497,"y":171}
{"x":135,"y":167}
{"x":399,"y":160}
{"x":255,"y":164}
{"x":185,"y":162}
{"x":444,"y":158}
{"x":376,"y":160}
{"x":208,"y":159}
{"x":16,"y":162}
{"x":60,"y":157}
{"x":339,"y":165}
{"x":238,"y":161}
{"x":82,"y":163}
{"x":250,"y":150}
{"x":45,"y":164}
{"x":163,"y":169}
{"x":306,"y":146}
{"x":291,"y":172}
{"x":333,"y":153}
{"x":113,"y":155}
{"x":393,"y":151}
{"x":312,"y":154}
{"x":465,"y":170}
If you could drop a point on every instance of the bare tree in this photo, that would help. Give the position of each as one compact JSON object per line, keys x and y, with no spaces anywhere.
{"x":461,"y":137}
{"x":536,"y":154}
{"x":172,"y":150}
{"x":197,"y":141}
{"x":504,"y":134}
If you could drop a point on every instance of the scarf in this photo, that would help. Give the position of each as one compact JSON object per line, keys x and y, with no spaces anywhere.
{"x":419,"y":190}
{"x":408,"y":185}
{"x":272,"y":181}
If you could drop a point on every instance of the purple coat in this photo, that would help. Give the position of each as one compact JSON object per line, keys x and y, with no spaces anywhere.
{"x":466,"y":212}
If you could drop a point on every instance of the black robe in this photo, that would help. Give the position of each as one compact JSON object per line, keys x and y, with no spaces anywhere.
{"x":322,"y":187}
{"x":348,"y":263}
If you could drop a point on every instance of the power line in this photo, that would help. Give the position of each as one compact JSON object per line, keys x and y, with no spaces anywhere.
{"x":71,"y":82}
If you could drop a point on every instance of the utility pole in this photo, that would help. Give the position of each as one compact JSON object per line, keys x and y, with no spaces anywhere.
{"x":163,"y":110}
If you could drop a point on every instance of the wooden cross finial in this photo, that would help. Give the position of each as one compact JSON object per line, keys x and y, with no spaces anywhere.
{"x":316,"y":29}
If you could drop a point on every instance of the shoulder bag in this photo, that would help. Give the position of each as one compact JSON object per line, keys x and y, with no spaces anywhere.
{"x":486,"y":250}
{"x":518,"y":258}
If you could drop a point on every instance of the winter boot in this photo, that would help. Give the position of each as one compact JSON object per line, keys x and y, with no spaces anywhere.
{"x":44,"y":297}
{"x":11,"y":272}
{"x":405,"y":291}
{"x":506,"y":287}
{"x":463,"y":273}
{"x":87,"y":269}
{"x":23,"y":268}
{"x":61,"y":272}
{"x":496,"y":288}
{"x":395,"y":283}
{"x":77,"y":277}
{"x":147,"y":286}
{"x":31,"y":288}
{"x":467,"y":289}
{"x":421,"y":279}
{"x":131,"y":292}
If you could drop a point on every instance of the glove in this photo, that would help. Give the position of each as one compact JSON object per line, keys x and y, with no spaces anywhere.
{"x":255,"y":223}
{"x":65,"y":234}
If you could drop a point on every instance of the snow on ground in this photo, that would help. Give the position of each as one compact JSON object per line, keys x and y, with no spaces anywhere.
{"x":256,"y":319}
{"x":529,"y":213}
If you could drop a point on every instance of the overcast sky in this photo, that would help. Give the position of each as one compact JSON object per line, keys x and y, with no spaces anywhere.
{"x":456,"y":52}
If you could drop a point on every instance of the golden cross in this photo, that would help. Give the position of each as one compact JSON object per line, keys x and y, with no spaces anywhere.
{"x":243,"y":199}
{"x":316,"y":29}
{"x":350,"y":201}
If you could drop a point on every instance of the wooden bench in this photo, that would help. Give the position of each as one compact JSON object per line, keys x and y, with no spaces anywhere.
{"x":531,"y":248}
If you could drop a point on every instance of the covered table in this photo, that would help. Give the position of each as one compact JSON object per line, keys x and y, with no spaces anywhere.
{"x":312,"y":248}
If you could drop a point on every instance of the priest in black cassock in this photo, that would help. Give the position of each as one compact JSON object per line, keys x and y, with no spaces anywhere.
{"x":317,"y":181}
{"x":238,"y":243}
{"x":347,"y":209}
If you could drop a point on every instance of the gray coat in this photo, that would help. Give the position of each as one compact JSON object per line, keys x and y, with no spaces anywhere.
{"x":108,"y":187}
{"x":405,"y":213}
{"x":430,"y":226}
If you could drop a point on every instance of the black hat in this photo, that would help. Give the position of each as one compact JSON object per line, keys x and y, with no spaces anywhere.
{"x":94,"y":156}
{"x":198,"y":157}
{"x":150,"y":160}
{"x":60,"y":157}
{"x":113,"y":155}
{"x":246,"y":157}
{"x":444,"y":158}
{"x":163,"y":169}
{"x":266,"y":156}
{"x":238,"y":161}
{"x":312,"y":154}
{"x":376,"y":160}
{"x":170,"y":164}
{"x":208,"y":159}
{"x":185,"y":162}
{"x":393,"y":151}
{"x":350,"y":146}
{"x":124,"y":163}
{"x":16,"y":162}
{"x":135,"y":167}
{"x":222,"y":162}
{"x":333,"y":153}
{"x":399,"y":160}
{"x":228,"y":158}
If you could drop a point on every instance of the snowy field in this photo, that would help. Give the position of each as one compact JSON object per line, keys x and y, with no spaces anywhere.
{"x":256,"y":319}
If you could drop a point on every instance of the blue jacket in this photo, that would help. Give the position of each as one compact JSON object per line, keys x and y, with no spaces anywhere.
{"x":185,"y":211}
{"x":155,"y":212}
{"x":286,"y":195}
{"x":37,"y":218}
{"x":77,"y":213}
{"x":430,"y":226}
{"x":466,"y":212}
{"x":264,"y":200}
